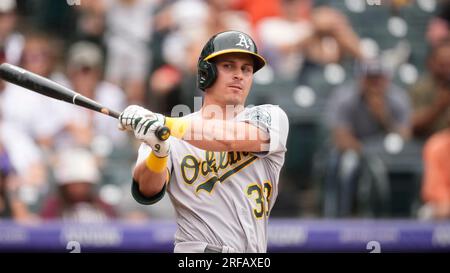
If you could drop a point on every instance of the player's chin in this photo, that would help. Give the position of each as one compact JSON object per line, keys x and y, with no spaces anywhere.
{"x":233,"y":99}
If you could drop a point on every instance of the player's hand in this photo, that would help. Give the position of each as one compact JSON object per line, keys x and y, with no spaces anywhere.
{"x":133,"y":114}
{"x":145,"y":131}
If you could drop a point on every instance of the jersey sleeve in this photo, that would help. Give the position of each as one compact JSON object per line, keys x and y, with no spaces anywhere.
{"x":273,"y":120}
{"x":144,"y":151}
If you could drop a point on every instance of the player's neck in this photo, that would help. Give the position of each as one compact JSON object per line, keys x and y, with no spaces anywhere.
{"x":212,"y":109}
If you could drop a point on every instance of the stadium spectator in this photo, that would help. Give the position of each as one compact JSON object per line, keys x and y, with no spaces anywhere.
{"x":91,"y":21}
{"x":284,"y":38}
{"x":188,"y":23}
{"x":430,"y":96}
{"x":76,"y":173}
{"x":24,"y":156}
{"x":36,"y":115}
{"x":322,"y":35}
{"x":180,"y":26}
{"x":12,"y":205}
{"x":370,"y":108}
{"x":129,"y":28}
{"x":7,"y":209}
{"x":85,"y":73}
{"x":10,"y":38}
{"x":28,"y":176}
{"x":438,"y":26}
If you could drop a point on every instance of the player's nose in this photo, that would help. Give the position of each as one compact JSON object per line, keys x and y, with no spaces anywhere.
{"x":238,"y":74}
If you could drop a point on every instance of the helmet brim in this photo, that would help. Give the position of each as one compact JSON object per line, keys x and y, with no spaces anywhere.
{"x":259,"y":61}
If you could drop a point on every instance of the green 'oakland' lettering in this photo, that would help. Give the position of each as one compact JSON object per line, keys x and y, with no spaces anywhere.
{"x":189,"y":162}
{"x":211,"y":164}
{"x":210,"y":183}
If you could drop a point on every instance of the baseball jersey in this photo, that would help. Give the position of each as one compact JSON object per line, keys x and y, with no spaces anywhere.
{"x":225,"y":198}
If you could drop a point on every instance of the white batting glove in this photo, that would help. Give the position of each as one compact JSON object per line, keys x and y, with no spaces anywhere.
{"x":131,"y":116}
{"x":145,"y":131}
{"x":144,"y":124}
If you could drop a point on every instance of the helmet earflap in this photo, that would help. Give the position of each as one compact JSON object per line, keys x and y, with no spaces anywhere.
{"x":207,"y":74}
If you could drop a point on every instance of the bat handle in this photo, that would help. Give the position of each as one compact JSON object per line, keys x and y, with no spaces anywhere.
{"x":162,"y":133}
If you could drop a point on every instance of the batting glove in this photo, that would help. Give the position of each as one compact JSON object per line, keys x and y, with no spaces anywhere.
{"x":133,"y":114}
{"x":145,"y":131}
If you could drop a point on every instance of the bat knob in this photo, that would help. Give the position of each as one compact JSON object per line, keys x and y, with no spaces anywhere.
{"x":163,"y":133}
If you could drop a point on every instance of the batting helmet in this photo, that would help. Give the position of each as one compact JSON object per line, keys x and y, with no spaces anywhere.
{"x":222,"y":43}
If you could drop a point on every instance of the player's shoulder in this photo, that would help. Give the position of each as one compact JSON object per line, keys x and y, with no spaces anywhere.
{"x":270,"y":108}
{"x":266,"y":112}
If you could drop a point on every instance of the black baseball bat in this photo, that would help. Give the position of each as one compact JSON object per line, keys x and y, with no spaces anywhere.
{"x":49,"y":88}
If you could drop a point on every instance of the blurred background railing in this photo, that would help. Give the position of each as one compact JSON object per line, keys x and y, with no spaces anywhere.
{"x":288,"y":235}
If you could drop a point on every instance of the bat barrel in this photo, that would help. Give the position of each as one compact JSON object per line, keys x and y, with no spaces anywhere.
{"x":46,"y":87}
{"x":39,"y":84}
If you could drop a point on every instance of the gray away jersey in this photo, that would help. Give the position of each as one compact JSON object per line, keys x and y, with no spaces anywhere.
{"x":225,"y":198}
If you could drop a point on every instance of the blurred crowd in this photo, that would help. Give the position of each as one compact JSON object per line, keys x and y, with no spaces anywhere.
{"x":366,"y":86}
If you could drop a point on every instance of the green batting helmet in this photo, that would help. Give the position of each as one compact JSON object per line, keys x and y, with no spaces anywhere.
{"x":222,"y":43}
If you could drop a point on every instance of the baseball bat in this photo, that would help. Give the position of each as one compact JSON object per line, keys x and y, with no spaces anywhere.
{"x":46,"y":87}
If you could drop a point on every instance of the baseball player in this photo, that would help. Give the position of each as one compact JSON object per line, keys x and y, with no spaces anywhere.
{"x":220,"y":167}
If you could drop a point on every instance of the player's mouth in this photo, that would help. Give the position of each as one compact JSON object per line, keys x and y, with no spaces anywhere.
{"x":236,"y":87}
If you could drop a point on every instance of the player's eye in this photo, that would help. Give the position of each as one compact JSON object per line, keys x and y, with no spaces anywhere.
{"x":247,"y":69}
{"x":227,"y":65}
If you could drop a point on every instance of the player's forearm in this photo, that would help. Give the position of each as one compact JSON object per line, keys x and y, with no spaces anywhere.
{"x":222,"y":135}
{"x":150,"y":182}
